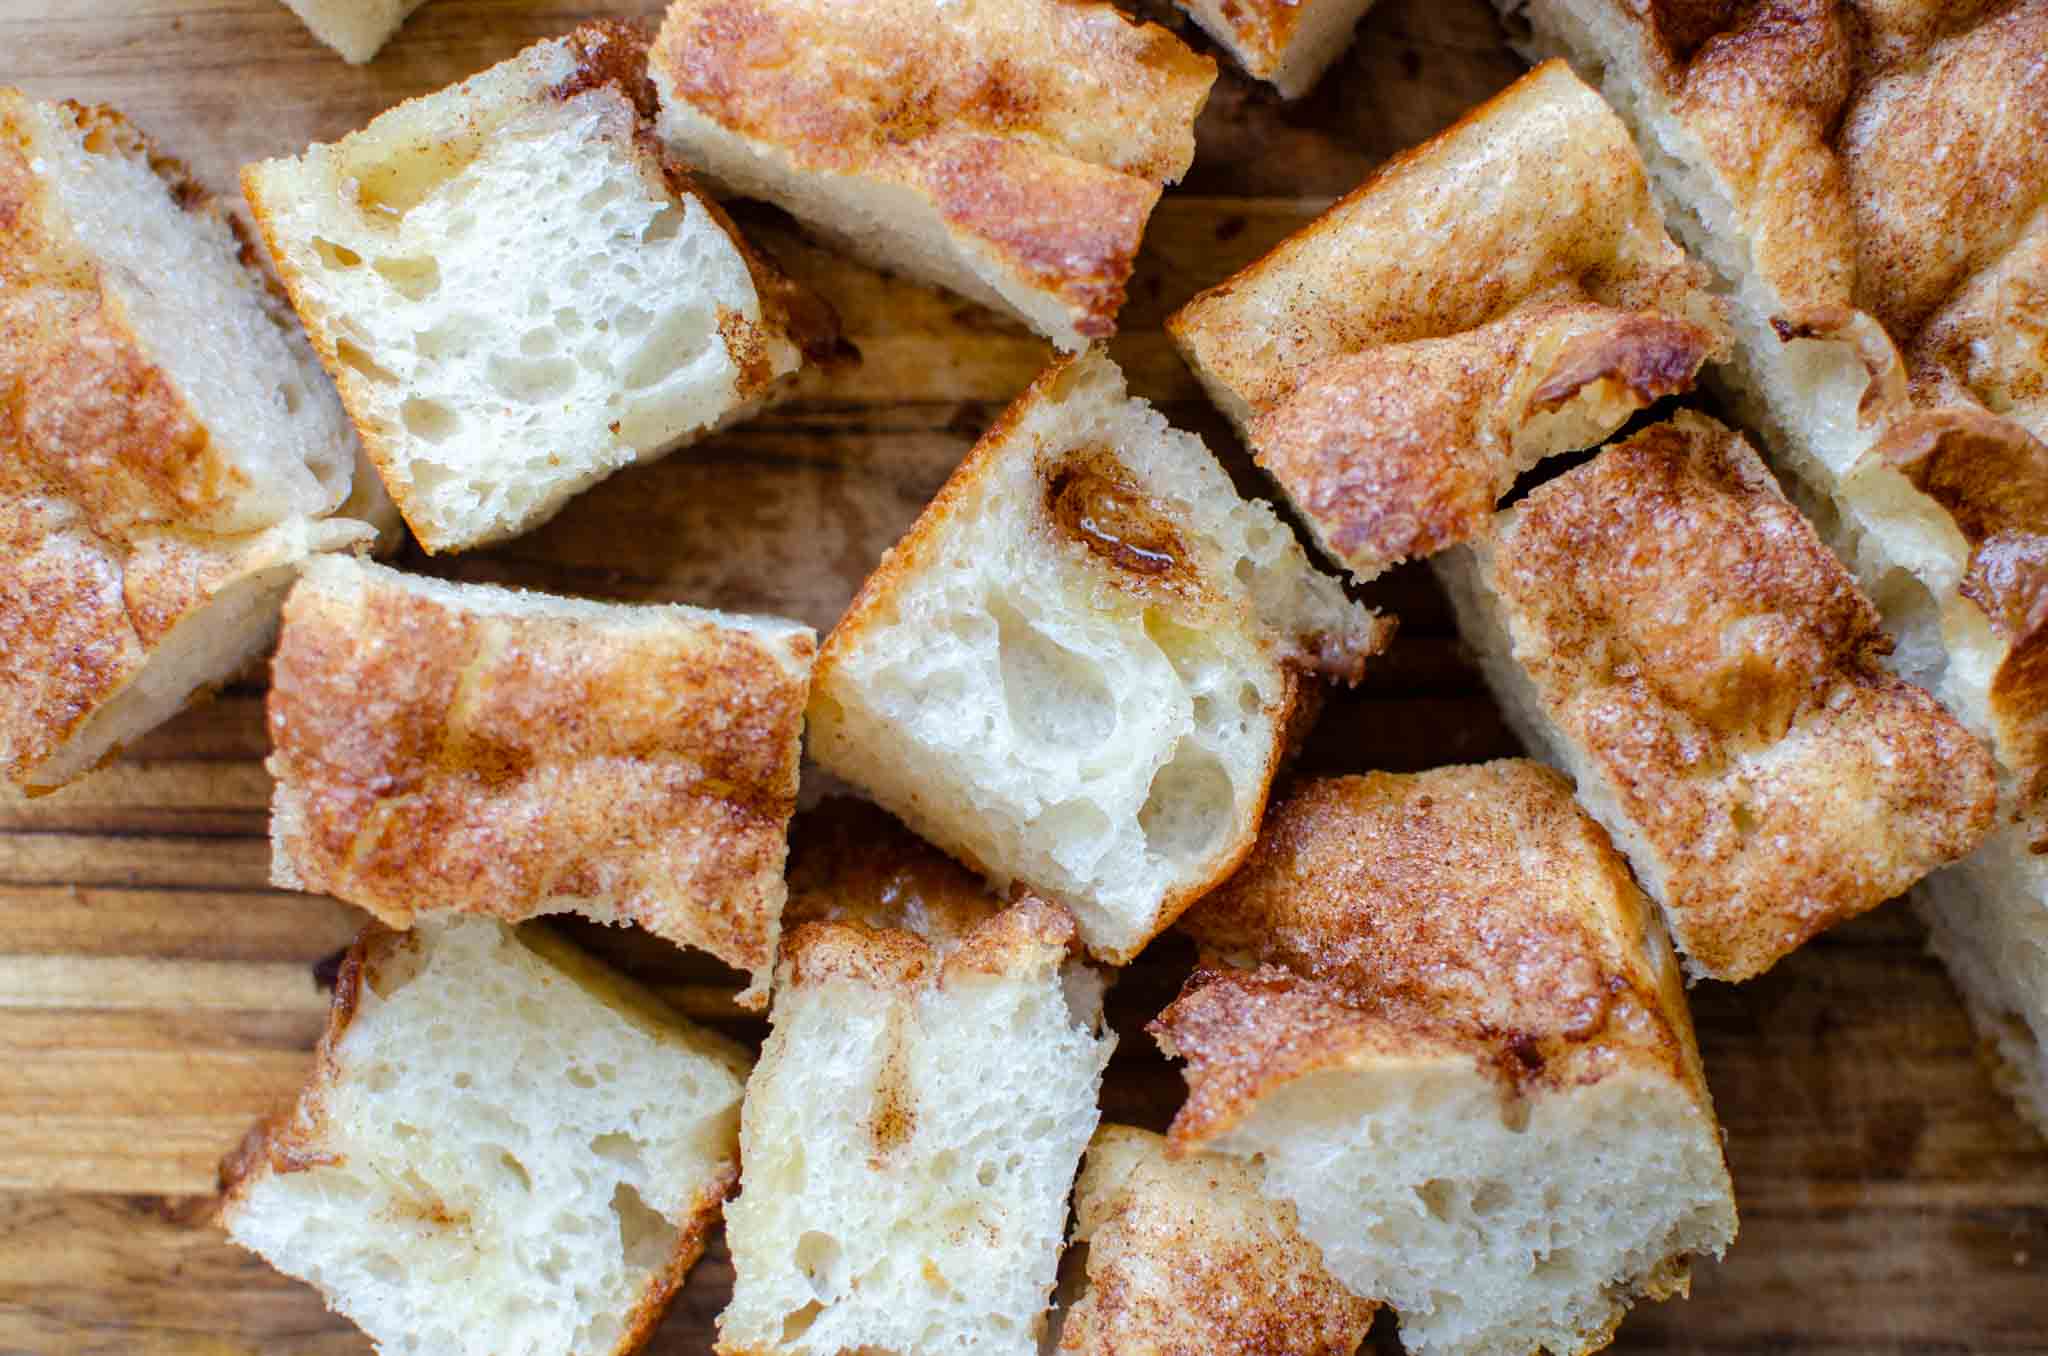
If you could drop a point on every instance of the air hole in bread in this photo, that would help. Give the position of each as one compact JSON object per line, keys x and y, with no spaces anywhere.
{"x":1437,"y":1197}
{"x":358,"y":360}
{"x":667,"y":224}
{"x":580,"y":1077}
{"x":531,"y":381}
{"x":643,"y":1233}
{"x":394,"y":183}
{"x":820,"y":1258}
{"x":1054,"y":697}
{"x":515,"y":1169}
{"x":292,"y":395}
{"x":617,"y":1148}
{"x":413,"y":278}
{"x":335,"y":256}
{"x":799,"y":1323}
{"x":430,"y":420}
{"x":1189,"y":807}
{"x":682,"y":332}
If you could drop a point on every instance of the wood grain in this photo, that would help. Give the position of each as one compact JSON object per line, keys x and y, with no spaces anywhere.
{"x":156,"y":995}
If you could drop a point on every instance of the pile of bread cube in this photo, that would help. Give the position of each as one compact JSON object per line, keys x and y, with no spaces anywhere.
{"x":1437,"y":1049}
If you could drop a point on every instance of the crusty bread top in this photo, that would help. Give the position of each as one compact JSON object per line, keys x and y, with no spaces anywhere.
{"x":1476,"y":898}
{"x":1881,"y":154}
{"x":1688,"y":631}
{"x":1536,"y":189}
{"x":853,"y":862}
{"x":1031,"y":937}
{"x":462,"y":747}
{"x":1246,"y":1033}
{"x":1477,"y":905}
{"x":1500,"y":293}
{"x":1188,"y":1257}
{"x":1040,"y":129}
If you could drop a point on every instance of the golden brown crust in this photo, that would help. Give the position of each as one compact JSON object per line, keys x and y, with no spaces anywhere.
{"x":291,"y":1140}
{"x":1259,"y":31}
{"x":1041,"y":131}
{"x":1687,"y":631}
{"x":1401,"y":360}
{"x":1882,"y":156}
{"x":851,"y":861}
{"x":705,"y":1213}
{"x":505,"y":765}
{"x":1188,"y":1258}
{"x":1246,"y":1033}
{"x":1402,"y":451}
{"x":1028,"y":936}
{"x":1478,"y":900}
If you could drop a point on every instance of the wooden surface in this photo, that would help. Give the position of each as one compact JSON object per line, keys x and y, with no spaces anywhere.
{"x":155,"y":996}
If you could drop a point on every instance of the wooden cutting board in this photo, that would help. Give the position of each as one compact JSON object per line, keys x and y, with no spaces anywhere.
{"x":156,"y":996}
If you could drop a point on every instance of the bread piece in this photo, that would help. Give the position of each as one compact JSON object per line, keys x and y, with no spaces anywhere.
{"x":354,"y":28}
{"x":1868,"y":182}
{"x":1987,"y":919}
{"x":1501,"y":293}
{"x":1186,"y":1257}
{"x":910,"y":1137}
{"x":505,"y":1149}
{"x":1465,"y":1058}
{"x":519,"y":292}
{"x":1009,"y":152}
{"x":460,"y":748}
{"x":1079,"y":669}
{"x":1286,"y":43}
{"x":1664,"y":625}
{"x":169,"y":449}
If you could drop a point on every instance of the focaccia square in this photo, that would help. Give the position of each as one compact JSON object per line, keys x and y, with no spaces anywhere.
{"x":1011,"y":152}
{"x":504,"y":1147}
{"x":1446,"y":1023}
{"x":912,"y":1131}
{"x":1081,"y":667}
{"x":519,"y":292}
{"x":1501,"y":293}
{"x":1664,"y":624}
{"x":1286,"y":43}
{"x":354,"y":28}
{"x":169,"y":449}
{"x":1190,"y":1255}
{"x":462,"y":748}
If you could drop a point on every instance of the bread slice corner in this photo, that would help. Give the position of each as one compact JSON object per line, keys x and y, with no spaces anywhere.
{"x":1289,"y":44}
{"x":357,"y":29}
